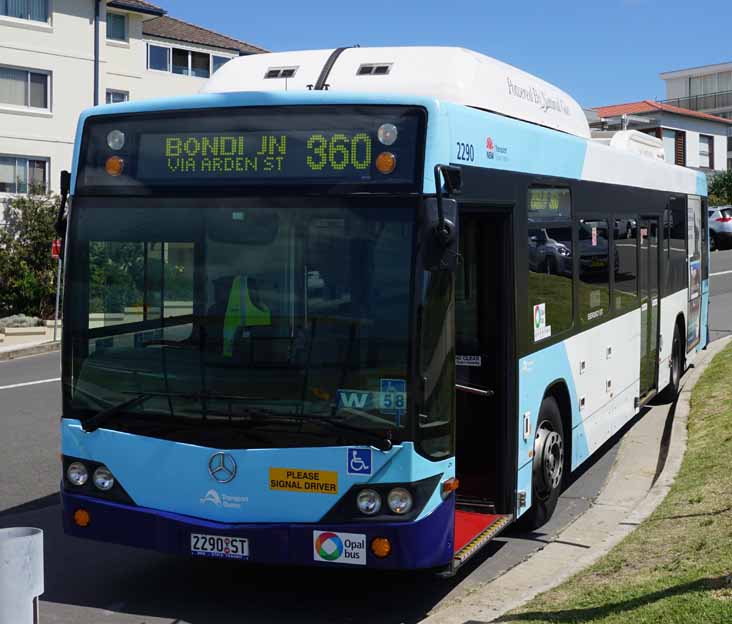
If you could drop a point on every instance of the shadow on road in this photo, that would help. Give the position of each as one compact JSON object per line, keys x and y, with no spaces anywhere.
{"x":199,"y":591}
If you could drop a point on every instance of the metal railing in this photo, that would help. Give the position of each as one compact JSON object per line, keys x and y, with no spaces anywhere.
{"x":708,"y":101}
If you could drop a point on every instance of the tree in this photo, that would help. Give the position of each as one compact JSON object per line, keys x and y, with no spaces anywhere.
{"x":720,"y":189}
{"x":27,"y":270}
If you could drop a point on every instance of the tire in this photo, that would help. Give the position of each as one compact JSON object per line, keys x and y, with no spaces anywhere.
{"x":678,"y":357}
{"x":549,"y":467}
{"x":713,"y":244}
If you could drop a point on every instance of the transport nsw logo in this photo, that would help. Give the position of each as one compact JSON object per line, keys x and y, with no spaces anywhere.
{"x":494,"y":151}
{"x":223,"y":500}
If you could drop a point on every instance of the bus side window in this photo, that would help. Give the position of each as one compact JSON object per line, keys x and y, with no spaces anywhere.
{"x":676,"y":270}
{"x":550,"y":263}
{"x":593,"y":242}
{"x":705,"y":240}
{"x":626,"y":269}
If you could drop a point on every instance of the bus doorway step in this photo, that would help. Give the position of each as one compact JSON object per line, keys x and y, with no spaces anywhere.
{"x":478,"y":505}
{"x":473,"y":531}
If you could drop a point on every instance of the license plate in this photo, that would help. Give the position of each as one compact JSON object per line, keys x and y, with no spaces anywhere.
{"x":598,"y":263}
{"x":219,"y":546}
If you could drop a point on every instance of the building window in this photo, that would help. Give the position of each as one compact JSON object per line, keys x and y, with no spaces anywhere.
{"x":710,"y":83}
{"x":680,"y":148}
{"x":36,"y":10}
{"x":115,"y":97}
{"x":180,"y":61}
{"x":158,"y":58}
{"x":116,"y":27}
{"x":706,"y":151}
{"x":20,"y":87}
{"x":183,"y":62}
{"x":200,"y":64}
{"x":21,"y":175}
{"x":218,"y":61}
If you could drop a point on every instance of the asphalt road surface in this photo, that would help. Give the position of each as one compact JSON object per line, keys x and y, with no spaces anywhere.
{"x":90,"y":582}
{"x":720,"y":307}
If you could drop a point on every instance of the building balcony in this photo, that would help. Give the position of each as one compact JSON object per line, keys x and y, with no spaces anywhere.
{"x":707,"y":102}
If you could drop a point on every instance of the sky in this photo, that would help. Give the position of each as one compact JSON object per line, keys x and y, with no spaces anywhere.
{"x":600,"y":53}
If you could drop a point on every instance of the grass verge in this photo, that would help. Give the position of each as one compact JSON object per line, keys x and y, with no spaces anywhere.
{"x":676,"y":568}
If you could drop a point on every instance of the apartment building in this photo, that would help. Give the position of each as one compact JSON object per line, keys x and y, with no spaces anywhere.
{"x":690,"y":138}
{"x":58,"y":57}
{"x":706,"y":89}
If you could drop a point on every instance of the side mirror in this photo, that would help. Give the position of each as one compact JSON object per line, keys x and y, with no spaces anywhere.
{"x":60,"y":225}
{"x":439,"y":235}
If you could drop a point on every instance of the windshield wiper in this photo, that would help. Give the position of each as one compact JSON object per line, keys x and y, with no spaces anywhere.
{"x":256,"y":415}
{"x":94,"y":422}
{"x":380,"y":441}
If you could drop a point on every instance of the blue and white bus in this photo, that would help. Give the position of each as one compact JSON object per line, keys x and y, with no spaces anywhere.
{"x":361,"y":307}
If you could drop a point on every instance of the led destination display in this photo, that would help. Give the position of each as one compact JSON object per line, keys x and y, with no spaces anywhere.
{"x":265,"y":146}
{"x":294,"y":154}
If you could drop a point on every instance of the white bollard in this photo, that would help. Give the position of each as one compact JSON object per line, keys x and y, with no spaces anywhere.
{"x":21,"y":574}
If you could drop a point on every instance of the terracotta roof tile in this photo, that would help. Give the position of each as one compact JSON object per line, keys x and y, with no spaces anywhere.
{"x":649,"y":106}
{"x":178,"y":30}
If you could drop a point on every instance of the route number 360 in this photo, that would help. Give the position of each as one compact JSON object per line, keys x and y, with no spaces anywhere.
{"x":339,"y":152}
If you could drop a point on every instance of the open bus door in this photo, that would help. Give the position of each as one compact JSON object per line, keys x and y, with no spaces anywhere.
{"x":650,"y":305}
{"x":484,"y":321}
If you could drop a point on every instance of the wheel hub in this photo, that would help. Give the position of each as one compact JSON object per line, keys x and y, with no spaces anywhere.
{"x":548,"y":460}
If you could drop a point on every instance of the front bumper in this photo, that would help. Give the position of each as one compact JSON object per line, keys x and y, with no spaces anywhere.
{"x":426,"y":543}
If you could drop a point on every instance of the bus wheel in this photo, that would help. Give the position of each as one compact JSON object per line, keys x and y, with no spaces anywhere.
{"x":677,"y":368}
{"x":548,"y":465}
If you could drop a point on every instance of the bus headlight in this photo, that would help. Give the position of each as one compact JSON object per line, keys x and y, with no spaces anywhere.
{"x":77,"y":474}
{"x":399,"y":501}
{"x":368,"y":502}
{"x":103,"y":479}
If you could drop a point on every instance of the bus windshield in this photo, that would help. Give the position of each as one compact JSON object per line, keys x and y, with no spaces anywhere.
{"x":221,"y":310}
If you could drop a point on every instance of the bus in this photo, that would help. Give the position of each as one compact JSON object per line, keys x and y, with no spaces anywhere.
{"x":361,"y":307}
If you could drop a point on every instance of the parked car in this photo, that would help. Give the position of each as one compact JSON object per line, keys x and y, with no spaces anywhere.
{"x":551,"y":255}
{"x":720,"y":227}
{"x":625,"y":228}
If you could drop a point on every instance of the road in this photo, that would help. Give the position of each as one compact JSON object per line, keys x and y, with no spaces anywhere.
{"x":88,"y":582}
{"x":85,"y":579}
{"x":720,"y":308}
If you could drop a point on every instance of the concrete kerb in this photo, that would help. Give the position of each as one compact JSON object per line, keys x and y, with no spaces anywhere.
{"x":631,"y":494}
{"x":26,"y":349}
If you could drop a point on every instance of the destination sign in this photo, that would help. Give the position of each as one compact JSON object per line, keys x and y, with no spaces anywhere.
{"x":293,"y":154}
{"x":208,"y":149}
{"x":547,"y":203}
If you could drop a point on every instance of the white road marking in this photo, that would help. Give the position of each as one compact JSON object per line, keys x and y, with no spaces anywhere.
{"x":720,"y":273}
{"x":30,"y":383}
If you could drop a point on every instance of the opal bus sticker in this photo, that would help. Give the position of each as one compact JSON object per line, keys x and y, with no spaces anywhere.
{"x":308,"y":481}
{"x":541,"y":329}
{"x":332,"y":547}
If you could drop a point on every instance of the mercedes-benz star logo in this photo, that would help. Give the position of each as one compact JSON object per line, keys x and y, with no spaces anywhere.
{"x":222,"y":467}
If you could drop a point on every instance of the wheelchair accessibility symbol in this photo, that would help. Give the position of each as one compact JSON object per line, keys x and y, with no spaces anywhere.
{"x":359,"y":461}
